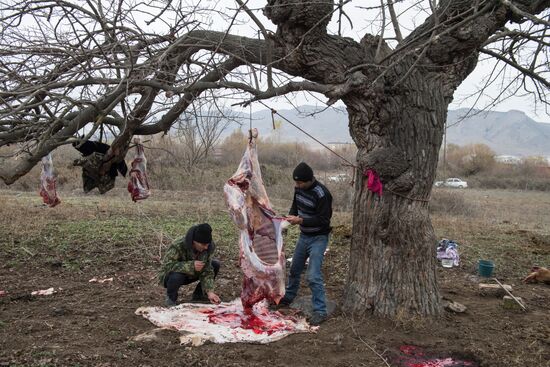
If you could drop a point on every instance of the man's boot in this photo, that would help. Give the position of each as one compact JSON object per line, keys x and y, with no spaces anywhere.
{"x":317,"y":319}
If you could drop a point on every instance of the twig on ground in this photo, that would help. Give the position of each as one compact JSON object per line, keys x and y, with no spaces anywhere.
{"x":511,"y":295}
{"x":368,"y":345}
{"x":160,"y":236}
{"x":27,"y":250}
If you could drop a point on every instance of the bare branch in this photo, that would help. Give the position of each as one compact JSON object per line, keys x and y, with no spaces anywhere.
{"x":266,"y":38}
{"x":382,"y":29}
{"x":520,"y":68}
{"x":287,"y":88}
{"x":523,"y":14}
{"x":73,"y":67}
{"x":395,"y":22}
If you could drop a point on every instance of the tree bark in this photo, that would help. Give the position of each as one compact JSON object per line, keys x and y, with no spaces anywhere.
{"x":392,"y":269}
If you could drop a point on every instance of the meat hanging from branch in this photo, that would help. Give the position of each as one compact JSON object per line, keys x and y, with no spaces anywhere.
{"x":48,"y":183}
{"x":138,"y":186}
{"x":262,"y":257}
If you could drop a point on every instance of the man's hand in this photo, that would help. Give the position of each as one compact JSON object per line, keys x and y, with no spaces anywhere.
{"x":199,"y":265}
{"x":294,"y":219}
{"x":213,"y":297}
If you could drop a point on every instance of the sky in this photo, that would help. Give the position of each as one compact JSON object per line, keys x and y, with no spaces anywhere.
{"x":365,"y":21}
{"x":361,"y":21}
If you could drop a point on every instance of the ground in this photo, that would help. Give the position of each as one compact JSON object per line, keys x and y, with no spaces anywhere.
{"x":92,"y":324}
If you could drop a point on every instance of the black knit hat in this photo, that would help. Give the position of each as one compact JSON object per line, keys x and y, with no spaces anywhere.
{"x":302,"y":172}
{"x":203,"y":233}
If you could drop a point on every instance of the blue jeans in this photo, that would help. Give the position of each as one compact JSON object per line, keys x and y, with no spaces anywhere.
{"x":313,"y":247}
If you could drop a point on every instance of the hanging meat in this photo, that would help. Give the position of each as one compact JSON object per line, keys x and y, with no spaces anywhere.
{"x":262,"y":258}
{"x":138,"y":186}
{"x":47,"y":183}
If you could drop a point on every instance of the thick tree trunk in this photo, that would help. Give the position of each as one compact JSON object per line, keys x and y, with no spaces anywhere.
{"x":392,"y":269}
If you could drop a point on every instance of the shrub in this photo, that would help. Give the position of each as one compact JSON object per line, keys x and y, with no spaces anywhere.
{"x":450,"y":202}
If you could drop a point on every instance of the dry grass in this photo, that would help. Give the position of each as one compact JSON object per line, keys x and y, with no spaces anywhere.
{"x":510,"y":227}
{"x":445,"y":201}
{"x":92,"y":235}
{"x":513,"y":228}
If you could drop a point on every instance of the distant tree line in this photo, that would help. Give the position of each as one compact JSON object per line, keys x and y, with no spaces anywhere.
{"x":477,"y":163}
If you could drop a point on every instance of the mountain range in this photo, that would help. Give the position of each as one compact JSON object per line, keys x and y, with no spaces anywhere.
{"x":511,"y":133}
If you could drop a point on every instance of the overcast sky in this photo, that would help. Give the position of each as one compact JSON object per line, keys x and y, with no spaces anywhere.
{"x":364,"y":21}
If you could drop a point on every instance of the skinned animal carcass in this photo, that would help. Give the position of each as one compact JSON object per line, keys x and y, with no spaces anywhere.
{"x":262,"y":258}
{"x":138,"y":186}
{"x":48,"y":183}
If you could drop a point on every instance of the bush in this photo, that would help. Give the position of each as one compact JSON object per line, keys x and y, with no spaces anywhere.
{"x":450,"y":202}
{"x":475,"y":164}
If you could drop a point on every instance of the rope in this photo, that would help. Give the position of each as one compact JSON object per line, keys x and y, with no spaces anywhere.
{"x":407,"y":197}
{"x":250,"y":116}
{"x":274,"y":112}
{"x":250,"y":137}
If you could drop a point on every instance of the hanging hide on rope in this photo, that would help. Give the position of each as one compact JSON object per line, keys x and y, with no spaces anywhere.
{"x":93,"y":157}
{"x":138,"y":186}
{"x":262,"y":258}
{"x":48,"y":183}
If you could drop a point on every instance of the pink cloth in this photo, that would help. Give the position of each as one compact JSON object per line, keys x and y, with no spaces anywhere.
{"x":373,"y":181}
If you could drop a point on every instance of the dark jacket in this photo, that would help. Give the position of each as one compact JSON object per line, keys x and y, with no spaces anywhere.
{"x":314,"y":205}
{"x":180,"y":257}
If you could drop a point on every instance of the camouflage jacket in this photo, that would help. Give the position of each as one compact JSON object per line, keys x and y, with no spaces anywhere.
{"x":180,"y":257}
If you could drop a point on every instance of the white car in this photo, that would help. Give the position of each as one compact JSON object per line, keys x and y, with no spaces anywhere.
{"x":452,"y":182}
{"x":342,"y":177}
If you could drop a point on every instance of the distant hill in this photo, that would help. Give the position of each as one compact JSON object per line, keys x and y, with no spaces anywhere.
{"x":510,"y":132}
{"x":327,"y":126}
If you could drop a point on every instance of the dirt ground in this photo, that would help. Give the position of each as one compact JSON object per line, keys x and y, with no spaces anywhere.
{"x":92,"y":324}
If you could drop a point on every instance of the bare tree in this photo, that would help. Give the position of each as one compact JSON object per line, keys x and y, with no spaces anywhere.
{"x":199,"y":132}
{"x":64,"y":67}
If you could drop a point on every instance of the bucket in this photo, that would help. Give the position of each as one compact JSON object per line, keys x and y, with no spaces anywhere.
{"x":447,"y":263}
{"x":485,"y":268}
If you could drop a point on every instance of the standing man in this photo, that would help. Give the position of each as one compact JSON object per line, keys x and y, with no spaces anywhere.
{"x":312,"y":210}
{"x":190,"y":259}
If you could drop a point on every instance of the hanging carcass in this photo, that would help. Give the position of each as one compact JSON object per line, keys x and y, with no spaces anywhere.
{"x":262,"y":258}
{"x":48,"y":182}
{"x":138,"y":186}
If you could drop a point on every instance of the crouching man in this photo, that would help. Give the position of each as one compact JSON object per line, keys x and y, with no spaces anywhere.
{"x":188,"y":260}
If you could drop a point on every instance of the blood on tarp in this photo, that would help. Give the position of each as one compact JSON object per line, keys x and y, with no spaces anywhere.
{"x":226,"y":322}
{"x":267,"y":323}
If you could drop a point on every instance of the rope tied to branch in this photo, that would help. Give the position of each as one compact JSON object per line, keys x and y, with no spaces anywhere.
{"x":347,"y":162}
